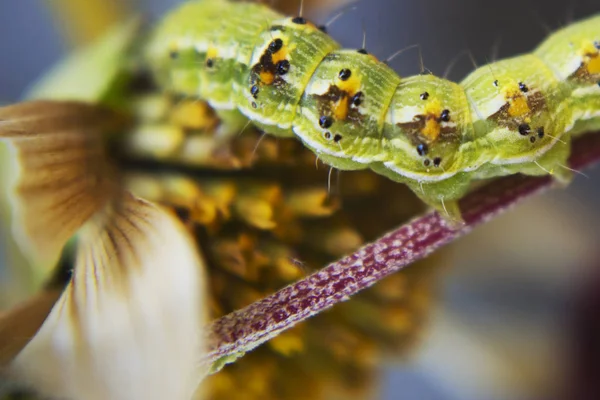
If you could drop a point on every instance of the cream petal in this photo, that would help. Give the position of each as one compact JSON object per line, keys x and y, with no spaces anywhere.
{"x":128,"y":324}
{"x":59,"y":172}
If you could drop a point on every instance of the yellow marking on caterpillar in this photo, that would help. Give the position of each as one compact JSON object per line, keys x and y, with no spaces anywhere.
{"x":340,"y":110}
{"x":517,"y":101}
{"x":212,"y":53}
{"x":588,"y":49}
{"x":282,"y":54}
{"x":350,"y":86}
{"x":518,"y":107}
{"x":593,"y":66}
{"x":432,"y":128}
{"x":591,"y":57}
{"x":267,"y":77}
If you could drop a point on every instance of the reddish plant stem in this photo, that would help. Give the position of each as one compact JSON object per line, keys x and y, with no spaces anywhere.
{"x":247,"y":328}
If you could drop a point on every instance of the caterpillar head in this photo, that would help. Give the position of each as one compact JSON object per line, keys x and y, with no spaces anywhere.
{"x":426,"y":123}
{"x":342,"y":110}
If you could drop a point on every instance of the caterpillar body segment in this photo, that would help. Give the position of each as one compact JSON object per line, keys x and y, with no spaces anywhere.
{"x":343,"y":109}
{"x":573,"y":55}
{"x":196,"y":53}
{"x":291,"y":79}
{"x":281,"y":66}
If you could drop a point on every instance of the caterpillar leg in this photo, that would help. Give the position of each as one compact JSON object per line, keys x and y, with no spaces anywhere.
{"x":554,"y":162}
{"x":443,"y":196}
{"x":233,"y":123}
{"x":558,"y":160}
{"x":449,"y":210}
{"x":586,"y":125}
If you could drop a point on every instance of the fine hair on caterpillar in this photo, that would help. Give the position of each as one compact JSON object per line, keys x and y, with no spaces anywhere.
{"x":289,"y":78}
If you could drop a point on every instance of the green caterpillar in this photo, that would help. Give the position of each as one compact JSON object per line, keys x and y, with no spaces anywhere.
{"x":289,"y":78}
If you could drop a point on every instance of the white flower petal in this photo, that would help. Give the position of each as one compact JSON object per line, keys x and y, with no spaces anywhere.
{"x":128,"y":324}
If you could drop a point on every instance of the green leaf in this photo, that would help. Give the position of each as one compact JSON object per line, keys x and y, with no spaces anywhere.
{"x":92,"y":73}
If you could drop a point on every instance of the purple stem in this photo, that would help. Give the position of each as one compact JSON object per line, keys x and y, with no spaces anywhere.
{"x":245,"y":329}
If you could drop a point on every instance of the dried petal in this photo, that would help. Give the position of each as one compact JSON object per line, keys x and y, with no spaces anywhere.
{"x":19,"y":325}
{"x":156,"y":140}
{"x":193,"y":114}
{"x":60,"y":172}
{"x":314,"y":202}
{"x":334,"y":240}
{"x":255,"y":211}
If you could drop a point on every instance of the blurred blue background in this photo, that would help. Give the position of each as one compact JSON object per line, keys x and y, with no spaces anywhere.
{"x":505,"y":325}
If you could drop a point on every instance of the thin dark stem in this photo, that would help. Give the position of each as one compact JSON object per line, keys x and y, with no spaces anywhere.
{"x":245,"y":329}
